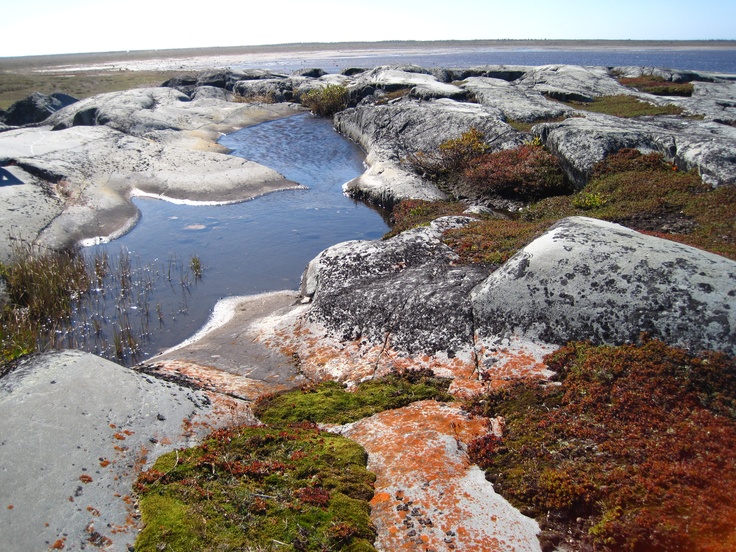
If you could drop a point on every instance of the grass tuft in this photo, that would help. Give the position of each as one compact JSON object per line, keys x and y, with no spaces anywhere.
{"x":326,"y":101}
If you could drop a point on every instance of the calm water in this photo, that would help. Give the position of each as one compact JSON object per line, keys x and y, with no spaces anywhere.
{"x":251,"y":247}
{"x":716,"y":60}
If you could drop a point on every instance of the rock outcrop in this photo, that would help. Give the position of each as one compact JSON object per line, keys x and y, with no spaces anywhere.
{"x":83,"y":163}
{"x":365,"y":308}
{"x":77,"y":430}
{"x":586,"y":279}
{"x":36,"y":108}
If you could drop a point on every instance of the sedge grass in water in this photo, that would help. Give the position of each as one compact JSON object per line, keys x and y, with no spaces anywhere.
{"x":108,"y":304}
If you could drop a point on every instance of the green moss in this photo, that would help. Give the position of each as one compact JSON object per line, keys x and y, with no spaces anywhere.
{"x":658,"y":86}
{"x":624,"y":106}
{"x":412,"y":213}
{"x":329,"y":402}
{"x":259,"y":488}
{"x":634,"y":449}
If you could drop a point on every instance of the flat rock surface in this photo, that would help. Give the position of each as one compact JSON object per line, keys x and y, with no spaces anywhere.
{"x":87,"y":160}
{"x":227,"y":355}
{"x":428,"y":495}
{"x":76,"y":430}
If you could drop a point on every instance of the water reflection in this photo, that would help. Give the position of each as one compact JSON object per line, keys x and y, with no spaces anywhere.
{"x":251,"y":247}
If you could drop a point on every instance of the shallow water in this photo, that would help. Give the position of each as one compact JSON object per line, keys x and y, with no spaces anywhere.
{"x":251,"y":247}
{"x":696,"y":59}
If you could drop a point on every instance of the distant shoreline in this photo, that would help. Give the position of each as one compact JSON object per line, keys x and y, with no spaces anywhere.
{"x":9,"y":63}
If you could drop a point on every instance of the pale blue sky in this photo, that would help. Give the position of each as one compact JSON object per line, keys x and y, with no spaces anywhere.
{"x":68,"y":26}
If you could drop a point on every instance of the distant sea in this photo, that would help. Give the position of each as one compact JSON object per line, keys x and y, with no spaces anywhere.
{"x":696,"y":59}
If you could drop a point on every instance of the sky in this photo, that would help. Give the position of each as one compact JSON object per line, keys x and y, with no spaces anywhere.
{"x":36,"y":27}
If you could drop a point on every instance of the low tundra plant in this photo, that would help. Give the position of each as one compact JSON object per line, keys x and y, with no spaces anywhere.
{"x":326,"y":101}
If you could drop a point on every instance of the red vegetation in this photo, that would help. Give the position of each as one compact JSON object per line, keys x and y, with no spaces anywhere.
{"x":528,"y":172}
{"x":638,"y":441}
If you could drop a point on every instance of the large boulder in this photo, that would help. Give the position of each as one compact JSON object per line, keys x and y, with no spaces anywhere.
{"x":587,"y":279}
{"x":76,"y":431}
{"x":36,"y":108}
{"x":405,"y":291}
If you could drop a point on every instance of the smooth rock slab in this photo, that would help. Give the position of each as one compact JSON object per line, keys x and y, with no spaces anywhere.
{"x":75,"y":430}
{"x":428,"y":495}
{"x":587,"y":279}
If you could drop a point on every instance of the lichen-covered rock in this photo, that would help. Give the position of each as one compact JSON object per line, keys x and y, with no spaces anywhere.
{"x":581,"y":142}
{"x":405,"y":291}
{"x":587,"y":279}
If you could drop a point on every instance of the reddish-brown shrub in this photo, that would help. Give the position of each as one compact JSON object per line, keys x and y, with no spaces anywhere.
{"x":527,"y":172}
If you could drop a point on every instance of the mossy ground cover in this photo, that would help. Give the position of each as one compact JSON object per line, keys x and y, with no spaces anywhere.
{"x":330,"y":402}
{"x":658,"y":86}
{"x":639,"y":191}
{"x":624,"y":106}
{"x":634,"y":449}
{"x":259,"y":488}
{"x":286,"y":486}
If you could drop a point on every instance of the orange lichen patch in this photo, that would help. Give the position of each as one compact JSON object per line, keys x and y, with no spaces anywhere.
{"x":323,"y":357}
{"x":93,"y":511}
{"x":84,"y":478}
{"x":220,"y":381}
{"x":59,"y":544}
{"x":104,"y":463}
{"x":119,"y":436}
{"x":428,"y":495}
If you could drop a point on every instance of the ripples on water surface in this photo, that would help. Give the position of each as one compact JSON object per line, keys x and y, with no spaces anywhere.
{"x":251,"y":247}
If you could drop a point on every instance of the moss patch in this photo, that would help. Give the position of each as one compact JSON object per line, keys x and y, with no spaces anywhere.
{"x":640,"y":191}
{"x":259,"y":488}
{"x":635,"y":449}
{"x":412,"y":213}
{"x":652,"y":84}
{"x":329,"y":402}
{"x":624,"y":106}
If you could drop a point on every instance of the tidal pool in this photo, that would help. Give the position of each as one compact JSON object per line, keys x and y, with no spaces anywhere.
{"x":251,"y":247}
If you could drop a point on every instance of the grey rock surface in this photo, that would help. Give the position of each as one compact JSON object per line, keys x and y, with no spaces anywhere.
{"x":76,"y":430}
{"x":36,"y":107}
{"x":405,"y":291}
{"x":581,"y":142}
{"x":516,"y":103}
{"x":587,"y":279}
{"x":87,"y":159}
{"x":572,"y":82}
{"x":390,"y":132}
